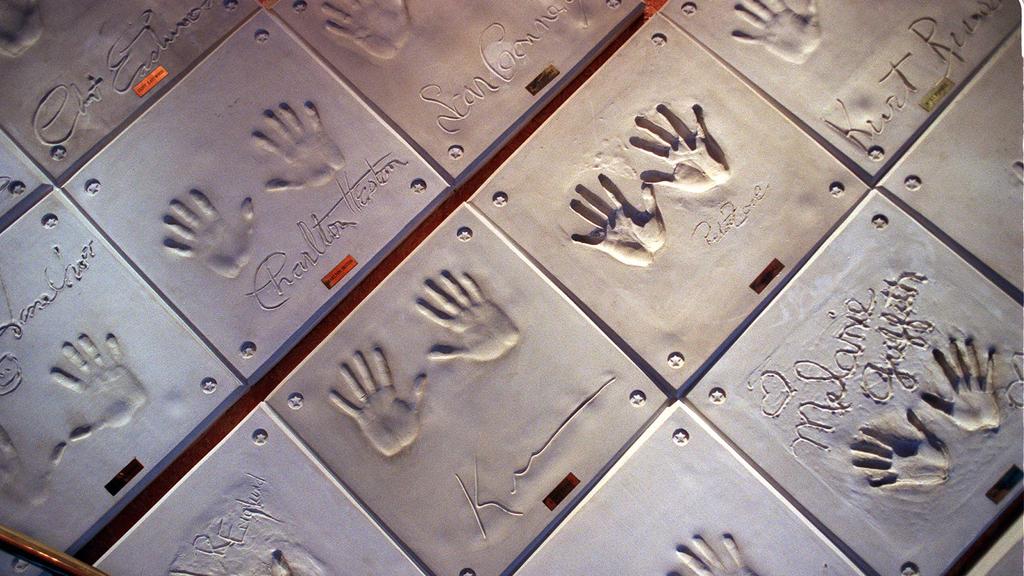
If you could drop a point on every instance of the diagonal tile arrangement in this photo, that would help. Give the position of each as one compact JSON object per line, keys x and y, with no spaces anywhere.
{"x":280,"y":296}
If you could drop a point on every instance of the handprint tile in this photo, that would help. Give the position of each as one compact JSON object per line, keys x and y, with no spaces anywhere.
{"x":786,"y":33}
{"x":898,"y":451}
{"x":196,"y":229}
{"x":696,"y":161}
{"x":700,"y":559}
{"x":483,"y":330}
{"x":625,"y":233}
{"x":20,"y":26}
{"x":111,"y":393}
{"x":969,"y":396}
{"x":380,"y":27}
{"x":310,"y":157}
{"x":388,"y":416}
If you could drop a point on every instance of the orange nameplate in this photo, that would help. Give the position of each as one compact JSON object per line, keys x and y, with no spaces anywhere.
{"x":150,"y":81}
{"x":338,"y":272}
{"x":268,"y":4}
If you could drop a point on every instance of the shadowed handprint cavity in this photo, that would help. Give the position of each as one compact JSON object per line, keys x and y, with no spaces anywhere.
{"x":110,"y":392}
{"x":311,"y":158}
{"x":483,"y":330}
{"x":380,"y":27}
{"x":783,"y":31}
{"x":700,"y":559}
{"x":196,"y":229}
{"x":969,"y":398}
{"x":898,"y":451}
{"x":388,"y":417}
{"x":697,"y":162}
{"x":625,"y":233}
{"x":20,"y":26}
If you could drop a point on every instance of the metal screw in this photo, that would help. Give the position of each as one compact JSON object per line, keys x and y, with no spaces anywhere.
{"x":259,"y":437}
{"x":676,"y":360}
{"x":689,"y":8}
{"x":49,"y":221}
{"x":455,"y":151}
{"x":500,"y":199}
{"x":230,"y":4}
{"x":909,"y":569}
{"x":912,"y":182}
{"x":299,"y":5}
{"x":876,"y":153}
{"x":16,"y":187}
{"x":19,"y":565}
{"x":295,"y":400}
{"x":637,"y":398}
{"x":58,"y":153}
{"x":681,"y":436}
{"x":613,"y":3}
{"x":464,"y":233}
{"x":92,"y":187}
{"x":659,"y":39}
{"x":208,"y":385}
{"x":880,"y":221}
{"x":836,"y":189}
{"x":418,"y":185}
{"x":717,"y":395}
{"x":262,"y":35}
{"x":467,"y":572}
{"x":247,"y":349}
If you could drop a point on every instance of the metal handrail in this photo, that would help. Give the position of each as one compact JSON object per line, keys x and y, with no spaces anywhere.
{"x":42,"y":556}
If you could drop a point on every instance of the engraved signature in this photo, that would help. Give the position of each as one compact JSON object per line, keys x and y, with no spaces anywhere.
{"x":70,"y":274}
{"x":272,"y":277}
{"x":502,"y":56}
{"x":730,"y":217}
{"x":926,"y":29}
{"x":231,"y":530}
{"x":130,"y":58}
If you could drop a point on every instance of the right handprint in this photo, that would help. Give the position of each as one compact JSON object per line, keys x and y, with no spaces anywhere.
{"x":620,"y":230}
{"x":701,"y":560}
{"x":897,"y":451}
{"x":786,"y":33}
{"x":696,"y":163}
{"x":380,"y":27}
{"x":969,"y":400}
{"x":484,"y":331}
{"x":388,"y":417}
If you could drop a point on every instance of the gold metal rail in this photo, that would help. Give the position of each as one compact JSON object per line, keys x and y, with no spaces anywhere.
{"x":36,"y":553}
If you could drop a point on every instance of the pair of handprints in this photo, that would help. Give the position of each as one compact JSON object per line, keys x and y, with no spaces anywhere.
{"x":111,"y":394}
{"x":905,"y":450}
{"x":694,"y":163}
{"x":309,"y":158}
{"x":389,"y":415}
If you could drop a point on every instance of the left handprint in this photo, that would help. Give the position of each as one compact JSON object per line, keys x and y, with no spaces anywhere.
{"x":196,"y":229}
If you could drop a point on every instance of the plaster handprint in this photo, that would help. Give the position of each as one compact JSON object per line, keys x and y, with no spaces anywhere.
{"x":969,"y":400}
{"x":388,"y":417}
{"x":484,"y":331}
{"x":380,"y":27}
{"x":196,"y":229}
{"x":17,"y":481}
{"x":625,"y":233}
{"x":900,"y":452}
{"x":111,"y":393}
{"x":783,"y":31}
{"x":310,"y":157}
{"x":697,"y":163}
{"x":20,"y":26}
{"x":701,"y":560}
